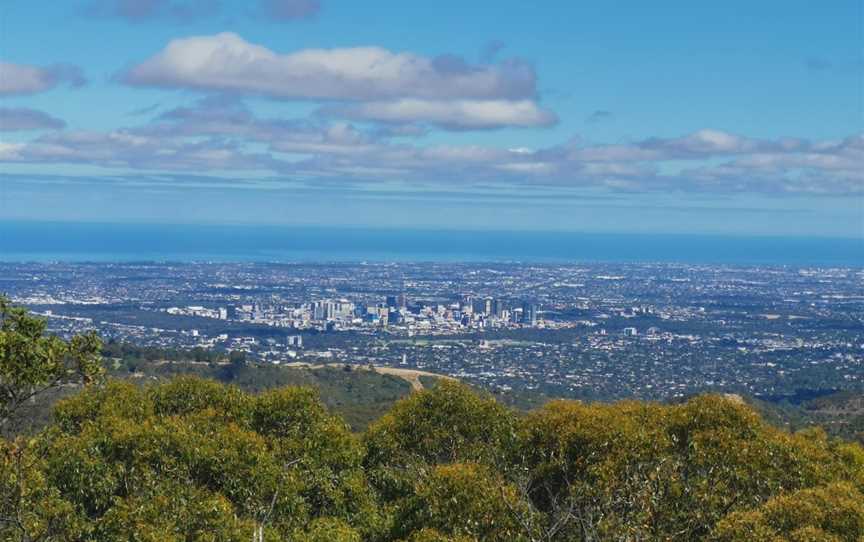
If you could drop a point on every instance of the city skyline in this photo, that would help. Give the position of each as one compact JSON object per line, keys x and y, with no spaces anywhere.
{"x":732,"y":119}
{"x":585,"y":330}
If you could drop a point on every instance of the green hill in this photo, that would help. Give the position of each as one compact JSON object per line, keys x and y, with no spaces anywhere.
{"x":165,"y":456}
{"x":841,"y":414}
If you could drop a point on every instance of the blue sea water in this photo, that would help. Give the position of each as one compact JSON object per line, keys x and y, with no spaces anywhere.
{"x":66,"y":241}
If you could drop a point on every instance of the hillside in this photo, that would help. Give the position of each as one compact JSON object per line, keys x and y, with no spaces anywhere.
{"x":166,"y":455}
{"x":840,"y":414}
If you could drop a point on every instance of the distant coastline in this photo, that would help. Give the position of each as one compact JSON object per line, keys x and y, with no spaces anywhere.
{"x":77,"y":242}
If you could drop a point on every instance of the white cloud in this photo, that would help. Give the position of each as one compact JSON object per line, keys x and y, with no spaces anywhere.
{"x":10,"y":152}
{"x":227,"y":63}
{"x":453,"y":114}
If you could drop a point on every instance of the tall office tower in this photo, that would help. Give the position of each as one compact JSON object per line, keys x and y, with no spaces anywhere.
{"x":516,"y":315}
{"x":529,"y":314}
{"x":402,"y":301}
{"x":500,"y":308}
{"x":489,"y":307}
{"x":319,"y":310}
{"x":392,"y":301}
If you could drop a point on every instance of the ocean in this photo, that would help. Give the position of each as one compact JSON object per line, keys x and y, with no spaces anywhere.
{"x":22,"y":241}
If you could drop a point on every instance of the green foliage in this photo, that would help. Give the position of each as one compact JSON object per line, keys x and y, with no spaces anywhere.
{"x":831,"y":512}
{"x":444,"y":424}
{"x":186,"y":395}
{"x":359,"y":396}
{"x":31,"y":508}
{"x":329,"y":530}
{"x":431,"y":535}
{"x":172,"y":460}
{"x":32,"y":362}
{"x":464,"y":500}
{"x":173,"y":513}
{"x":656,"y":472}
{"x":190,"y":459}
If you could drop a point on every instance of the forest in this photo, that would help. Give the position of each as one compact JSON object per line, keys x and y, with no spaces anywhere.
{"x":191,"y":459}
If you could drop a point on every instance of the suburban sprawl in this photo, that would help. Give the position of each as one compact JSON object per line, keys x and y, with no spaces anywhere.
{"x":594,"y":331}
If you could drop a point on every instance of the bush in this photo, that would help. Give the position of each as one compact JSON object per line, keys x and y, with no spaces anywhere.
{"x":196,"y":460}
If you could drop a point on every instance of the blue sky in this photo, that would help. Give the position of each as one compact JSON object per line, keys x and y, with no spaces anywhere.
{"x":675,"y":117}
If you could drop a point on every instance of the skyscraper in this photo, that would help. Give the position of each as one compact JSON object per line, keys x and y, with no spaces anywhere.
{"x":529,"y":314}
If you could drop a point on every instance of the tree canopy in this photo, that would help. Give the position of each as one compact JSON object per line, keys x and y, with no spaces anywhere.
{"x":32,"y":361}
{"x":196,"y":460}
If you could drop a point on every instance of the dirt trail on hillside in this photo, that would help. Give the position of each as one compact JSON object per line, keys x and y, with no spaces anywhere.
{"x":412,"y":376}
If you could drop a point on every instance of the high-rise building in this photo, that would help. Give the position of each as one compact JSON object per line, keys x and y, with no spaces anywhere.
{"x":529,"y":314}
{"x":516,"y":315}
{"x":332,"y":309}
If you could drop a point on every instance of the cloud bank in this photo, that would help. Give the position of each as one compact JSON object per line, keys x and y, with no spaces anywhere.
{"x":21,"y":79}
{"x":360,"y":83}
{"x":372,"y":109}
{"x":13,"y":119}
{"x":227,"y":63}
{"x":220,"y":134}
